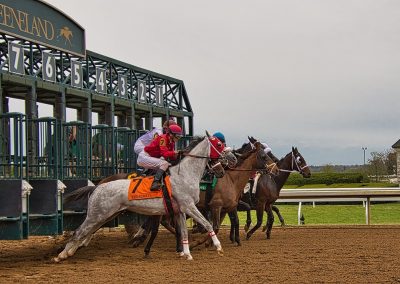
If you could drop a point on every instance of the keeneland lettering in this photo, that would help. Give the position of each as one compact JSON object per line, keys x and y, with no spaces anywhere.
{"x":25,"y":22}
{"x":36,"y":21}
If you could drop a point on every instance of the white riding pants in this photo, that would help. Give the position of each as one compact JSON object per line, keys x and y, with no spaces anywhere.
{"x":148,"y":162}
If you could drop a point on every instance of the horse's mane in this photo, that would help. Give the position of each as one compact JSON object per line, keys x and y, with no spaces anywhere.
{"x":242,"y":156}
{"x":196,"y":140}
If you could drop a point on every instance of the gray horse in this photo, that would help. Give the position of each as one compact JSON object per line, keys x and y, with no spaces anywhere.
{"x":109,"y":199}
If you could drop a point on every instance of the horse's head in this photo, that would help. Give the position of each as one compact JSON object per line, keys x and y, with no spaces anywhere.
{"x":299,"y":164}
{"x":263,"y":161}
{"x":220,"y":156}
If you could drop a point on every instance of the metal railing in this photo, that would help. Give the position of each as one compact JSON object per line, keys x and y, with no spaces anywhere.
{"x":338,"y":194}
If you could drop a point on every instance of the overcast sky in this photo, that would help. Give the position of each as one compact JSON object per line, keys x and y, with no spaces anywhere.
{"x":322,"y":75}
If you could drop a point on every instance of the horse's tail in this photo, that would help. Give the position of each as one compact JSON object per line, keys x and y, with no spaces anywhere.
{"x":81,"y":194}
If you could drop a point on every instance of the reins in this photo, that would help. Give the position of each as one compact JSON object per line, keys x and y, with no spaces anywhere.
{"x":299,"y":169}
{"x":197,"y":156}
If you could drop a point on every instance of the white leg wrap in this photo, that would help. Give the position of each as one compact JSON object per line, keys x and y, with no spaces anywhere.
{"x":186,"y":247}
{"x":215,"y":239}
{"x":254,"y":189}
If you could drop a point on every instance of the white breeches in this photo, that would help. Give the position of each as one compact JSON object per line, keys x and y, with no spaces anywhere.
{"x":139,"y":147}
{"x":148,"y":162}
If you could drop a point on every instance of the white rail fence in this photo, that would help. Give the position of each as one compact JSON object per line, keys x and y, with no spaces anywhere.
{"x":339,"y":195}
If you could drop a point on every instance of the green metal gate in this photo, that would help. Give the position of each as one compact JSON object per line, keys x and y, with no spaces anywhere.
{"x":103,"y":151}
{"x":77,"y":137}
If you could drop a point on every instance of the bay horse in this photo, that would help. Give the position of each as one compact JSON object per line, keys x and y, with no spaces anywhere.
{"x":109,"y":199}
{"x":269,"y":187}
{"x":229,"y":188}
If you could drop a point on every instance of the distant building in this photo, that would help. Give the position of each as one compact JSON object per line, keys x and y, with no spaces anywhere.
{"x":396,"y":146}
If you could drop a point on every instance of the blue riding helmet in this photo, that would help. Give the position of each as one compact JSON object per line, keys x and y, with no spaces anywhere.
{"x":220,"y":136}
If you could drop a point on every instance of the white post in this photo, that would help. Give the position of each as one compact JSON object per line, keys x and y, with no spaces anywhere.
{"x":299,"y":215}
{"x":313,"y":204}
{"x":368,"y":211}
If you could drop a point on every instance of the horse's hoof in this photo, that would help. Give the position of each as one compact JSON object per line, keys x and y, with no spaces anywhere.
{"x":56,"y":260}
{"x":147,"y":256}
{"x":135,"y":244}
{"x":189,"y":257}
{"x":248,"y":237}
{"x":71,"y":252}
{"x":239,"y":244}
{"x":220,"y":252}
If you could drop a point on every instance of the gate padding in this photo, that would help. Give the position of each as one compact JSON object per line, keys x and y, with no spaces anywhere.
{"x":45,"y":214}
{"x":75,"y":213}
{"x":13,"y":220}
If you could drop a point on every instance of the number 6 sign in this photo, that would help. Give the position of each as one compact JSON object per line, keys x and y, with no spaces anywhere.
{"x":49,"y":67}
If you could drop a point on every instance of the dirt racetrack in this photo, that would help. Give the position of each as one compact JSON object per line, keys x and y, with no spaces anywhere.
{"x":294,"y":254}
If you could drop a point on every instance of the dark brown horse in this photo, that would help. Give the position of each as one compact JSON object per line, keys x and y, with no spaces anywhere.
{"x":228,"y":190}
{"x":269,"y":187}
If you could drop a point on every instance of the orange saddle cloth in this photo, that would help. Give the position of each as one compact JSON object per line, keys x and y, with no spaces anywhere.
{"x":139,"y":188}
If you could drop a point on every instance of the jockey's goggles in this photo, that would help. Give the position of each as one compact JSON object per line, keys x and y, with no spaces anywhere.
{"x":176,"y":136}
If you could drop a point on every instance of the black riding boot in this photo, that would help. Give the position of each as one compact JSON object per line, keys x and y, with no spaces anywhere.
{"x":157,"y":180}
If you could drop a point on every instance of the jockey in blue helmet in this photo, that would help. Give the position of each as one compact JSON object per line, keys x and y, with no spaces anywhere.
{"x":220,"y":136}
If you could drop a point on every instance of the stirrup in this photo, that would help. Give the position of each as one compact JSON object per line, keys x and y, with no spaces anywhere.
{"x":156,"y":186}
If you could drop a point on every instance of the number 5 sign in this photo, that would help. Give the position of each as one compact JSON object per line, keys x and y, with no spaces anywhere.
{"x":76,"y":74}
{"x":16,"y":58}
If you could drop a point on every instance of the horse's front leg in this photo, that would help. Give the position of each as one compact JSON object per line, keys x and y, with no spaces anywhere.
{"x":142,"y":233}
{"x":278,"y":213}
{"x":260,"y":213}
{"x":235,"y":220}
{"x":243,"y":206}
{"x":233,"y":225}
{"x":165,"y":222}
{"x":193,"y":212}
{"x":180,"y":220}
{"x":270,"y":220}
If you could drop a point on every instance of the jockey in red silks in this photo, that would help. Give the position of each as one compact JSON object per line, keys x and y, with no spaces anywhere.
{"x":159,"y":151}
{"x":146,"y":138}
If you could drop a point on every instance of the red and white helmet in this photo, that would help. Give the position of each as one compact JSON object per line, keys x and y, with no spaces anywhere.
{"x":175,"y":130}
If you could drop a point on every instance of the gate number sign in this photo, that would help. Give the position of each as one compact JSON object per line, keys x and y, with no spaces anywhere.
{"x":122,"y":85}
{"x":76,"y":74}
{"x":141,"y":90}
{"x":16,"y":58}
{"x":159,"y":96}
{"x":49,"y":67}
{"x":101,"y":83}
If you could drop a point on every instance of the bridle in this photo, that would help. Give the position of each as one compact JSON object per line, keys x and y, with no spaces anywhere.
{"x":299,"y":168}
{"x":267,"y":170}
{"x":211,"y":167}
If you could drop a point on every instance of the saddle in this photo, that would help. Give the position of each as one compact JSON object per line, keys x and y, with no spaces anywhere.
{"x":141,"y":182}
